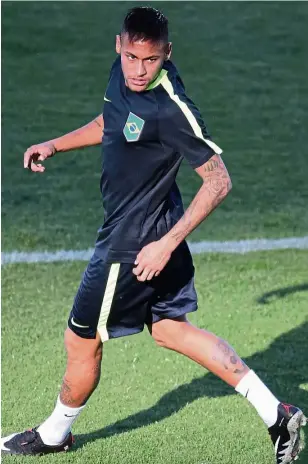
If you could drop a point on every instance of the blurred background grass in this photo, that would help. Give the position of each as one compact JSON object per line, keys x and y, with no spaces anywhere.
{"x":245,"y":65}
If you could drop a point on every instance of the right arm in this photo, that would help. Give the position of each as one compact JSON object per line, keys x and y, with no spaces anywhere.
{"x":86,"y":136}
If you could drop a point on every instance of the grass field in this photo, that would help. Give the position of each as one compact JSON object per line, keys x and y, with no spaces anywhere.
{"x":245,"y":65}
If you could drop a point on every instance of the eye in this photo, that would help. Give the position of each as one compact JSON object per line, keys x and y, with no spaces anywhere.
{"x":130,"y":57}
{"x":151,"y":60}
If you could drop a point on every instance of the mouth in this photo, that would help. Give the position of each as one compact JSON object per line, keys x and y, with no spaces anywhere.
{"x":139,"y":82}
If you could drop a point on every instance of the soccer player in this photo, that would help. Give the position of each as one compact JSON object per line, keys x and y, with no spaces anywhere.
{"x":141,"y":272}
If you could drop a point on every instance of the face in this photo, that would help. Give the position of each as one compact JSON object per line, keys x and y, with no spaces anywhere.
{"x":141,"y":61}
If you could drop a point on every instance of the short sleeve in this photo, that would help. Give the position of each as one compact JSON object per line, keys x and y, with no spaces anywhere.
{"x":183,"y":129}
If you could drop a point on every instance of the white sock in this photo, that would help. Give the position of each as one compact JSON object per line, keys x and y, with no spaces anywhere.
{"x":259,"y":396}
{"x":54,"y":430}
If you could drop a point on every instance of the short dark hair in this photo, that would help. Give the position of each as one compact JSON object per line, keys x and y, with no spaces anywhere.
{"x":144,"y":22}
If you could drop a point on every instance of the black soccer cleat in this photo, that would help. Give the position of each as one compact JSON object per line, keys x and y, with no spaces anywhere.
{"x":285,"y":433}
{"x":30,"y":442}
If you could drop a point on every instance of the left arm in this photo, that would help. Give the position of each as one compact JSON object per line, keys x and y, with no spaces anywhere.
{"x":215,"y":187}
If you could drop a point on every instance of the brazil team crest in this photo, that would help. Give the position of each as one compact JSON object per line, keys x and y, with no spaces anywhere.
{"x":133,"y":127}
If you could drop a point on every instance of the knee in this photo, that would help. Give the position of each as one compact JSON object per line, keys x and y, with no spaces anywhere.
{"x":167,"y":333}
{"x":82,"y":349}
{"x":159,"y":336}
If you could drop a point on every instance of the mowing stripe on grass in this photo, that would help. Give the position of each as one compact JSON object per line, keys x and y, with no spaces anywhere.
{"x":240,"y":246}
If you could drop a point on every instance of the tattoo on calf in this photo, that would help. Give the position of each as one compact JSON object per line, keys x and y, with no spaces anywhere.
{"x":97,"y":372}
{"x":66,"y":393}
{"x":67,"y":396}
{"x":226,"y":356}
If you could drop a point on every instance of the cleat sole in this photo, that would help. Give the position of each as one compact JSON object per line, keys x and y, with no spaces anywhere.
{"x":296,"y":444}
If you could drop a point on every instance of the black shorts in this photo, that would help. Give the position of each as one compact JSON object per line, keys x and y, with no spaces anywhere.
{"x":111,"y":301}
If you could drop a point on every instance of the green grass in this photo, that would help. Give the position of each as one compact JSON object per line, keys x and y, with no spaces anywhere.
{"x":248,"y":75}
{"x":154,"y":405}
{"x":245,"y":66}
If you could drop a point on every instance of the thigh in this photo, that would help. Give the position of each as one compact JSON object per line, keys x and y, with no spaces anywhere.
{"x":131,"y":304}
{"x":110,"y":301}
{"x":175,"y":293}
{"x":85,"y":314}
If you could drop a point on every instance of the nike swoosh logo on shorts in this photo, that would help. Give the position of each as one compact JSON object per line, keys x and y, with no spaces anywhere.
{"x":78,"y":325}
{"x":106,"y":100}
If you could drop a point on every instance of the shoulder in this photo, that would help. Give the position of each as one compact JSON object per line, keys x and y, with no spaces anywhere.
{"x":172,"y":83}
{"x":174,"y":76}
{"x":173,"y":87}
{"x":173,"y":98}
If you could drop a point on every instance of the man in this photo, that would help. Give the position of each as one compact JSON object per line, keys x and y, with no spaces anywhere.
{"x":142,"y":272}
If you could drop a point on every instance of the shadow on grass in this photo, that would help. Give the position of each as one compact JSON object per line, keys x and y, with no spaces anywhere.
{"x":282,"y":366}
{"x":281,"y":293}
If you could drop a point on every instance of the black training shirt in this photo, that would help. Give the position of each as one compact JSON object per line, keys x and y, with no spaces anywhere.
{"x":146,"y":136}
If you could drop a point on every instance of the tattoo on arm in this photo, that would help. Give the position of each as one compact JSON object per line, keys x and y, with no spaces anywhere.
{"x":226,"y":356}
{"x":216,"y":179}
{"x":98,"y":123}
{"x":211,"y":165}
{"x":215,"y":187}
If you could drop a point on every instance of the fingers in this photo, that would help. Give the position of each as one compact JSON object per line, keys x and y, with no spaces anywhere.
{"x":36,"y":167}
{"x":27,"y":158}
{"x":140,"y":270}
{"x":34,"y":154}
{"x":137,"y":270}
{"x":151,"y":275}
{"x":145,"y":274}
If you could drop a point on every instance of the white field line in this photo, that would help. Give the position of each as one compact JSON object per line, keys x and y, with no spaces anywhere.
{"x":240,"y":246}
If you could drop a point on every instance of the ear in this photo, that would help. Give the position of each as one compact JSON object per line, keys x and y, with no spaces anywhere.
{"x":118,"y":44}
{"x":168,"y":51}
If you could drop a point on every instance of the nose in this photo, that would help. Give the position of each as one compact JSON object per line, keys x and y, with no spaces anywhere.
{"x":141,"y":71}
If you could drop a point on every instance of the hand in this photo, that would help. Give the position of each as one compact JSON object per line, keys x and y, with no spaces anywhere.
{"x":38,"y":153}
{"x":152,"y":259}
